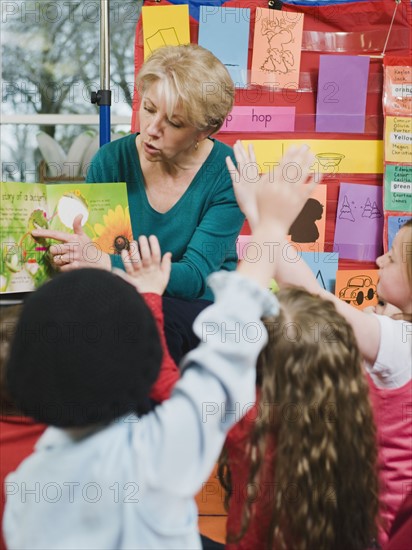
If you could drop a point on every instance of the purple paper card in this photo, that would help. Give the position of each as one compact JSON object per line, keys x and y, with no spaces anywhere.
{"x":342,"y":87}
{"x":359,"y":222}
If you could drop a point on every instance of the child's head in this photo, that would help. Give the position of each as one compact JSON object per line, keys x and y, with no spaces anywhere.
{"x":86,"y":350}
{"x":314,"y":404}
{"x":395,"y":271}
{"x":9,"y":317}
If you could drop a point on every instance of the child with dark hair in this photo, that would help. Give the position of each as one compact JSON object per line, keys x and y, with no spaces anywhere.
{"x":385,"y":342}
{"x":107,"y":475}
{"x":19,"y":433}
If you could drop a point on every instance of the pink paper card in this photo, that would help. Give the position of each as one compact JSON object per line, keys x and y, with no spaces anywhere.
{"x":277,"y":48}
{"x":260,"y":119}
{"x":242,"y":245}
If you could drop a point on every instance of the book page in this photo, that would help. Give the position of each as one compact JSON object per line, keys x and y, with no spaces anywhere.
{"x":23,"y":207}
{"x":25,"y":264}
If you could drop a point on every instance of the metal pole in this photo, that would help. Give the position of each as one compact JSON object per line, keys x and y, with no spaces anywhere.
{"x":103,"y":96}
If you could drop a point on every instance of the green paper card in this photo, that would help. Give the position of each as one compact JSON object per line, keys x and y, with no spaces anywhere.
{"x":398,"y":187}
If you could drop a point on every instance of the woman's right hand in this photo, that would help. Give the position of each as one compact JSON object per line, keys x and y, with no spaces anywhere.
{"x":75,"y":250}
{"x":145,"y":267}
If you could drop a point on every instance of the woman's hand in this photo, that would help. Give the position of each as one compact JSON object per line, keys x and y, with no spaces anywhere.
{"x":145,"y":267}
{"x":76,"y":250}
{"x":277,"y":196}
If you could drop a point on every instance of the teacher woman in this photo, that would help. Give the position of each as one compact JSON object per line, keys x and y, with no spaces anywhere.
{"x":179,"y":188}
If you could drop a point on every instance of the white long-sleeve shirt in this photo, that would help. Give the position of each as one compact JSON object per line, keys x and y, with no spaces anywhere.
{"x":130,"y":485}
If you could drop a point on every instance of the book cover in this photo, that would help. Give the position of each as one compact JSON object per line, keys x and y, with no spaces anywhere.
{"x":25,"y":263}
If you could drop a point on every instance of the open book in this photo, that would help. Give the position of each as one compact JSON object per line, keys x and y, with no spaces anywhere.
{"x":25,"y":263}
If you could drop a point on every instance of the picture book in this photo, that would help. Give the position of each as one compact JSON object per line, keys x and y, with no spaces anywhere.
{"x":25,"y":262}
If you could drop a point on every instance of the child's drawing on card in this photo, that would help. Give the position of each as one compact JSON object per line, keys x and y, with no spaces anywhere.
{"x":277,"y":48}
{"x":278,"y":33}
{"x":308,"y":230}
{"x":164,"y":26}
{"x":357,"y":288}
{"x":304,"y":228}
{"x":359,"y":222}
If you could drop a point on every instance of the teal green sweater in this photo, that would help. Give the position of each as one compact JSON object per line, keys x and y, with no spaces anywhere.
{"x":200,"y":229}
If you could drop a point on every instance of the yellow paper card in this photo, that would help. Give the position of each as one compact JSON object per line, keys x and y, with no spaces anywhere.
{"x":332,"y":156}
{"x":398,"y":139}
{"x":357,"y":287}
{"x":277,"y":47}
{"x":164,"y":26}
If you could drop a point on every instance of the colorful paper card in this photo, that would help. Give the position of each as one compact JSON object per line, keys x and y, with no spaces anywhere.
{"x":308,"y":230}
{"x":398,"y":187}
{"x":398,"y":139}
{"x":398,"y":90}
{"x":357,"y":287}
{"x":277,"y":48}
{"x":341,"y":99}
{"x":164,"y":26}
{"x":332,"y":156}
{"x":324,"y":266}
{"x":225,"y":32}
{"x":25,"y":264}
{"x":359,"y":222}
{"x":260,"y":119}
{"x":242,"y":246}
{"x":394,"y":224}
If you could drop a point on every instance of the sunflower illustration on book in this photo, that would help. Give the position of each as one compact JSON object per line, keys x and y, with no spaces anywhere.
{"x":115,"y":234}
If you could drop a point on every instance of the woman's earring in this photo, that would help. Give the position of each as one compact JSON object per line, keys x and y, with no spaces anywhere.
{"x":196,"y":145}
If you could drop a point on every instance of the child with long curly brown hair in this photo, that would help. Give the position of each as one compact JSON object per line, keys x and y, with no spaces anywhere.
{"x":300,"y":468}
{"x":384,"y":340}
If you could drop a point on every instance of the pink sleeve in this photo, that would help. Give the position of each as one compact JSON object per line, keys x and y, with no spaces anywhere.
{"x":169,"y":372}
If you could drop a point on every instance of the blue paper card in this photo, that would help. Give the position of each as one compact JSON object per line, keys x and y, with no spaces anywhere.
{"x":324,"y":266}
{"x":225,"y":32}
{"x":394,"y":224}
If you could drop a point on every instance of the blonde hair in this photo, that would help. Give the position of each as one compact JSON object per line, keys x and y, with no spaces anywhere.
{"x":193,"y":78}
{"x":329,"y":448}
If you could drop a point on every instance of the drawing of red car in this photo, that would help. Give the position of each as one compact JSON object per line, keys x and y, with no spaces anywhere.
{"x":358,"y":289}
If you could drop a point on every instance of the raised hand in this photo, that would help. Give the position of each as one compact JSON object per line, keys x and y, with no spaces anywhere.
{"x":282,"y":193}
{"x":278,"y":195}
{"x":244,"y":179}
{"x":75,"y":250}
{"x":145,"y":267}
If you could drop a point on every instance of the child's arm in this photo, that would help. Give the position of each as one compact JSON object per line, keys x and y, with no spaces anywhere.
{"x":149,"y":273}
{"x":249,"y":190}
{"x":218,"y":384}
{"x":365,"y":326}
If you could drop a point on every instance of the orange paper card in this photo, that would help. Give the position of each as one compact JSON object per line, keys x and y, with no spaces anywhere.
{"x":357,"y":287}
{"x":276,"y":48}
{"x":308,"y":230}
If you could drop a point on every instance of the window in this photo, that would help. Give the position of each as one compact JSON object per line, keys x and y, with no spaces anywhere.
{"x":51,"y":64}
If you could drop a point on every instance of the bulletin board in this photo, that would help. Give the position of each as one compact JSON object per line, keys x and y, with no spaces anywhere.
{"x":358,"y":29}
